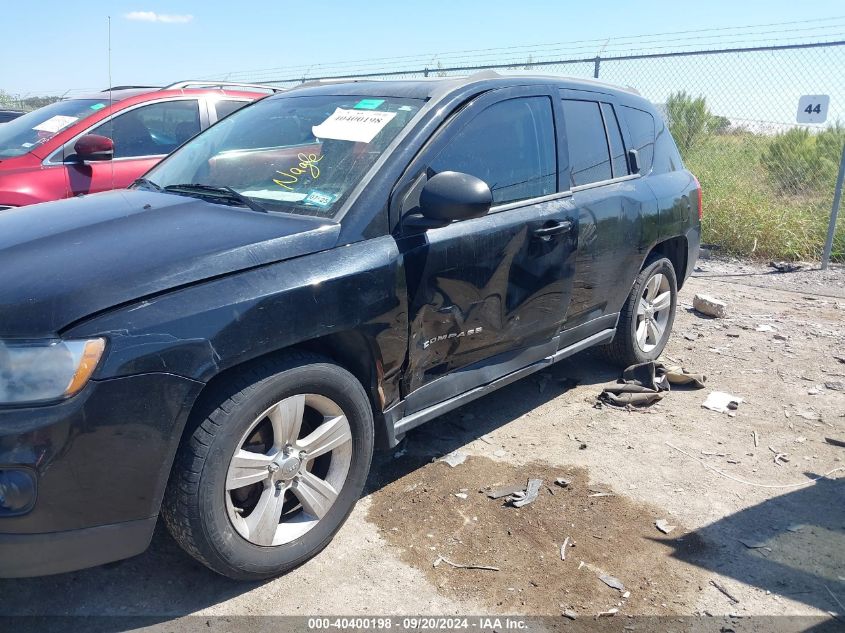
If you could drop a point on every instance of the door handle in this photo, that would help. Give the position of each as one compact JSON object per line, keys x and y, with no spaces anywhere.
{"x":554,"y":229}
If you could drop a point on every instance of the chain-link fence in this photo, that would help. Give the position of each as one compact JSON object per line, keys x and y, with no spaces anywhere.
{"x":768,"y":181}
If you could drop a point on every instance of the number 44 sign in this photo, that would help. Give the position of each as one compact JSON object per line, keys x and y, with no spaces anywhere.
{"x":813,"y":108}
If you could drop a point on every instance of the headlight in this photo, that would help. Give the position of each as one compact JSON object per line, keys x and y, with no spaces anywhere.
{"x":35,"y":371}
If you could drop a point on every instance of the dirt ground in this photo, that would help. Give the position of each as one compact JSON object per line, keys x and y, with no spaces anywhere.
{"x":746,"y":523}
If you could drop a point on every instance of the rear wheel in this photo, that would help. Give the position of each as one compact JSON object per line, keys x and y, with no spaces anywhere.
{"x":646,"y":320}
{"x":267,"y":479}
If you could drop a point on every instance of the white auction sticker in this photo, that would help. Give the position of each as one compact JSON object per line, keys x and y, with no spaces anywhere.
{"x":813,"y":108}
{"x":56,"y":123}
{"x":358,"y":126}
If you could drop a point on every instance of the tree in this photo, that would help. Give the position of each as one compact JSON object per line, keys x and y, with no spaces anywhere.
{"x":690,"y":121}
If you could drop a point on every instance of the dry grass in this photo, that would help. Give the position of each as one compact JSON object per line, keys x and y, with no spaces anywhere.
{"x":746,"y":215}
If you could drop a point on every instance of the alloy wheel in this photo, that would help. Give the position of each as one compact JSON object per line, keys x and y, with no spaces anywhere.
{"x":288,"y":469}
{"x":653,"y":312}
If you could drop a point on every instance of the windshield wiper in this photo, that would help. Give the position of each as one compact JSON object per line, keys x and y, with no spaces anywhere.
{"x":216,"y":192}
{"x":144,"y":182}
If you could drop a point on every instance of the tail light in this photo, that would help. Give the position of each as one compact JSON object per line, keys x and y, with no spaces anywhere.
{"x":700,"y":207}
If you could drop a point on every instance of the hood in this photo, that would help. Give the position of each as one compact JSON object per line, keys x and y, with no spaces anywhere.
{"x":63,"y":261}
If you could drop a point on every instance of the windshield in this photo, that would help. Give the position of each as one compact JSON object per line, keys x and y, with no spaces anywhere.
{"x":293,"y":154}
{"x":19,"y":136}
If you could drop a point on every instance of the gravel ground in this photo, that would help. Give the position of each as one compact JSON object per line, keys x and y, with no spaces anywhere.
{"x":744,"y":519}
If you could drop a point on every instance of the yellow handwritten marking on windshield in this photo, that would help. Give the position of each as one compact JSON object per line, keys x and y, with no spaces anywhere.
{"x":307,"y":165}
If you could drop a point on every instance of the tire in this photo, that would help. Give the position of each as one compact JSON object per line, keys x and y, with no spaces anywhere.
{"x":628,"y":347}
{"x":220,"y":506}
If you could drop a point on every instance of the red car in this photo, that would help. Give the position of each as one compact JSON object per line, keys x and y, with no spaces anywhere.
{"x":107,"y":140}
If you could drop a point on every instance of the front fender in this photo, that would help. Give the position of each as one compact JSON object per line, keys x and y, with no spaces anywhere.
{"x":209,"y":327}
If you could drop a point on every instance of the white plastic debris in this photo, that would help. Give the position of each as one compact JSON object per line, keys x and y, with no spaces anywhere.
{"x":455,"y":458}
{"x":663,"y":526}
{"x":722,"y":402}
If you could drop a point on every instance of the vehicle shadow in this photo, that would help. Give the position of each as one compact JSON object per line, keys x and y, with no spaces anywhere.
{"x":792,"y":545}
{"x":472,"y":421}
{"x":164,"y":583}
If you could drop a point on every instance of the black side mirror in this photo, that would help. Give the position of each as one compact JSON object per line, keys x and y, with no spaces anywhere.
{"x":452,"y":195}
{"x":633,"y":161}
{"x":94,"y":147}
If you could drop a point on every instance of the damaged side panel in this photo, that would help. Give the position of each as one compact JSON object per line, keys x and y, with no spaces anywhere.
{"x":485,"y":286}
{"x":199,"y":331}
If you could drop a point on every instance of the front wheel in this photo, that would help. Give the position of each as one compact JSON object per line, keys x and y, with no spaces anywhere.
{"x":267,"y":479}
{"x":646,"y":319}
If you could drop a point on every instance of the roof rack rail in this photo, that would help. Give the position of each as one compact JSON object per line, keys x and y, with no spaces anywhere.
{"x":328,"y":82}
{"x":131,"y":88}
{"x":219,"y":84}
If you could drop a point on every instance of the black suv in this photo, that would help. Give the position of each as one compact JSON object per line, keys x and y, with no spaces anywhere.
{"x":225,"y":343}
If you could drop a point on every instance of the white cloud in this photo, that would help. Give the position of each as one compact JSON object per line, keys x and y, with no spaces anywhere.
{"x":152,"y":16}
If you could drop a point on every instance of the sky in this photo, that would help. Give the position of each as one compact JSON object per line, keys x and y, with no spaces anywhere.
{"x":53,"y":46}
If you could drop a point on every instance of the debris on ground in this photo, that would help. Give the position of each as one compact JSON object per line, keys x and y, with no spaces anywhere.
{"x":523,"y":498}
{"x":455,"y":458}
{"x":840,"y":359}
{"x":755,"y":438}
{"x":504,"y":491}
{"x":835,"y":386}
{"x":568,"y":613}
{"x":612,"y":582}
{"x":563,"y":548}
{"x":622,"y":395}
{"x":765,"y":327}
{"x":643,"y":384}
{"x":835,"y":442}
{"x":443,"y":559}
{"x":722,"y":402}
{"x":663,"y":526}
{"x":786,"y":267}
{"x":609,"y":613}
{"x":461,"y":495}
{"x":780,"y":458}
{"x":710,"y":306}
{"x":600,"y":494}
{"x":724,"y":591}
{"x":563,"y":483}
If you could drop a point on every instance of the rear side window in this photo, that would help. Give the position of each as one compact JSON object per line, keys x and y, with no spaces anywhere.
{"x":641,"y":127}
{"x":510,"y":146}
{"x":152,"y":130}
{"x":225,"y":107}
{"x":614,"y":136}
{"x":589,"y":157}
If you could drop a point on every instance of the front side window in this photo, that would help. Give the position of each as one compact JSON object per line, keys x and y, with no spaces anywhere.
{"x":589,"y":156}
{"x":510,"y":146}
{"x":152,"y":130}
{"x":23,"y":134}
{"x":294,"y":154}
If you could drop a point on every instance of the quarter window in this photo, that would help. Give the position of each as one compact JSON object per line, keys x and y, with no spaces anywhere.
{"x":614,"y":136}
{"x":510,"y":146}
{"x":152,"y":130}
{"x":641,"y":128}
{"x":589,"y":156}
